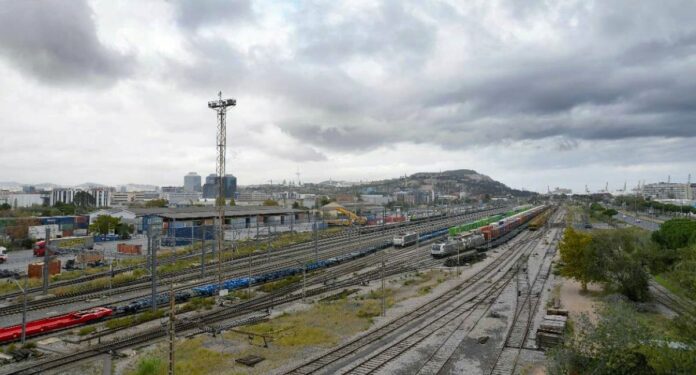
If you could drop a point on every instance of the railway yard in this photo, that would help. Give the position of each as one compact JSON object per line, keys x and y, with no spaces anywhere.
{"x":403,"y":299}
{"x":353,"y":256}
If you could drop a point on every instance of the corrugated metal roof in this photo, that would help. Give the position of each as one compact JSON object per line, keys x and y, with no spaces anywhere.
{"x":204,"y":212}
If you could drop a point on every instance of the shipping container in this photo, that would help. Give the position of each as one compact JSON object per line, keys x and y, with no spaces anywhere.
{"x":129,"y":249}
{"x":38,"y":232}
{"x":35,"y":270}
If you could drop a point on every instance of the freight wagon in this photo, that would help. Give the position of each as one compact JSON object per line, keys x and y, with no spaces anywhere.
{"x":55,"y":323}
{"x":491,"y":230}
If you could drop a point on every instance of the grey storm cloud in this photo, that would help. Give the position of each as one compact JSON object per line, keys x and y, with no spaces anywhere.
{"x":624,"y":79}
{"x":194,"y":14}
{"x":391,"y":33}
{"x":55,"y":41}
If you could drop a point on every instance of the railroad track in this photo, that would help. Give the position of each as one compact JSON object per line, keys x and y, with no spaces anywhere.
{"x":322,"y":362}
{"x":672,"y":302}
{"x":341,"y":236}
{"x":287,"y":294}
{"x":529,"y":296}
{"x":231,"y":269}
{"x":443,"y":322}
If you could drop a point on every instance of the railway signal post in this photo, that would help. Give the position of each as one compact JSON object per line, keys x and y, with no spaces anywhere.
{"x":172,"y":327}
{"x":384,"y":307}
{"x":24,"y":306}
{"x":47,"y":249}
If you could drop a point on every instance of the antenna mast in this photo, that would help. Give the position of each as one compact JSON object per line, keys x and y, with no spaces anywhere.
{"x":220,"y":106}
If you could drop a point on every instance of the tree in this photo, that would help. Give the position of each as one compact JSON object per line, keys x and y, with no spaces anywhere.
{"x":5,"y":206}
{"x":219,"y":201}
{"x":157,"y":203}
{"x":619,"y":253}
{"x":124,"y":230}
{"x":580,"y":261}
{"x":610,"y":212}
{"x":270,"y":202}
{"x":104,"y":224}
{"x":675,"y":233}
{"x":232,"y":202}
{"x":84,"y":199}
{"x":324,"y":201}
{"x":63,"y":209}
{"x":613,"y":346}
{"x":20,"y":228}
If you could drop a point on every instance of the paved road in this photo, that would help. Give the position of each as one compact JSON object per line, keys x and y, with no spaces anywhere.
{"x":631,"y":220}
{"x":20,"y":259}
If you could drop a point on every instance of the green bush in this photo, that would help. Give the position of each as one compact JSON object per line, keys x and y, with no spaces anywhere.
{"x":149,"y":366}
{"x":84,"y":331}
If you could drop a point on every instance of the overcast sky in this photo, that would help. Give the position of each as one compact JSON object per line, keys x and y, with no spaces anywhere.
{"x":532,"y":93}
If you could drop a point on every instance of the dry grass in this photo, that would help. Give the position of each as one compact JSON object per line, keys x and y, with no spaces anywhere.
{"x":292,"y":336}
{"x":192,"y":358}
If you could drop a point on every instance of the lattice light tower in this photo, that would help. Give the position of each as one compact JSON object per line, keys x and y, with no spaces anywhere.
{"x":220,"y":106}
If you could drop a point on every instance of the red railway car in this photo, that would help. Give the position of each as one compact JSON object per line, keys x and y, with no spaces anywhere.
{"x":47,"y":325}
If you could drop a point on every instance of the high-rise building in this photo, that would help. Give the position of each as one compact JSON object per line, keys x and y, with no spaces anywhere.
{"x":210,"y":189}
{"x":192,"y":182}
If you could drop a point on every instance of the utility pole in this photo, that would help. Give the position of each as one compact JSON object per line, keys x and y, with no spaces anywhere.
{"x":316,"y":239}
{"x":304,"y":281}
{"x":24,"y":307}
{"x":458,"y":247}
{"x":249,"y":258}
{"x":47,"y":249}
{"x":172,"y":328}
{"x":202,"y":251}
{"x":384,"y":305}
{"x":220,"y":107}
{"x":154,"y":227}
{"x":111,"y":274}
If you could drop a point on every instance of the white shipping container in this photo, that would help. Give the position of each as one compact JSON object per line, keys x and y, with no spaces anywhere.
{"x":38,"y":232}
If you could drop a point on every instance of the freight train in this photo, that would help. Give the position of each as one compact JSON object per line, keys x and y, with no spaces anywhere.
{"x":539,"y":221}
{"x":490,"y":231}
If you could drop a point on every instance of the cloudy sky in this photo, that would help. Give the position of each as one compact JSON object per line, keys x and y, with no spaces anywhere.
{"x":532,"y":93}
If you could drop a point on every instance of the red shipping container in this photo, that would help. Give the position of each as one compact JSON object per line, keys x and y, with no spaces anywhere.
{"x":35,"y":270}
{"x":129,"y":249}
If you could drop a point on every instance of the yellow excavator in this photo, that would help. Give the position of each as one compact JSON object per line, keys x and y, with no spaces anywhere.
{"x":352,"y":218}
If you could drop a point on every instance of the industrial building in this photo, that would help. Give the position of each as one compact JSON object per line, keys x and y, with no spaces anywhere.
{"x":16,"y":200}
{"x":236,"y":217}
{"x":102,"y":196}
{"x":668,"y":190}
{"x":122,"y":199}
